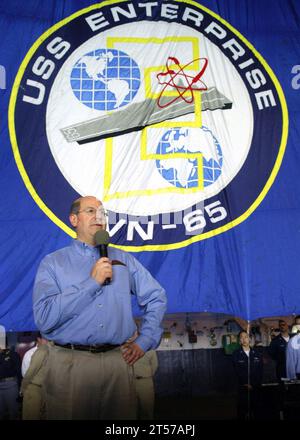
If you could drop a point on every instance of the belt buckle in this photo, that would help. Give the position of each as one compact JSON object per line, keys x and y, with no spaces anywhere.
{"x":93,"y":349}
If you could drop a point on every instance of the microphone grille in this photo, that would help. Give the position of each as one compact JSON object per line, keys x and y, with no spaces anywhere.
{"x":101,"y":237}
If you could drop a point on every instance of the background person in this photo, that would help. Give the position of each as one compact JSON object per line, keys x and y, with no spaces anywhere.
{"x":293,"y":355}
{"x":296,"y":326}
{"x":248,"y":365}
{"x":10,"y":380}
{"x":28,"y":355}
{"x":144,"y":370}
{"x":277,"y":349}
{"x":33,"y":370}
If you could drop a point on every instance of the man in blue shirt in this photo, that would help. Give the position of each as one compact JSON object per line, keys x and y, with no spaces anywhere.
{"x":293,"y":354}
{"x":89,"y":373}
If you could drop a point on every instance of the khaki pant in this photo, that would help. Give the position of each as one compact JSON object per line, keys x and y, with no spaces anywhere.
{"x":80,"y":385}
{"x":32,"y":385}
{"x":145,"y":396}
{"x":33,"y":403}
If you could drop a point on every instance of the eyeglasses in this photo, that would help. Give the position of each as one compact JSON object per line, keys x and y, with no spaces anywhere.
{"x":99,"y":212}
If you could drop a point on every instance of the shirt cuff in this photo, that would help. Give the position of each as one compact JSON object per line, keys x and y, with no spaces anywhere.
{"x":144,"y":342}
{"x":91,"y":286}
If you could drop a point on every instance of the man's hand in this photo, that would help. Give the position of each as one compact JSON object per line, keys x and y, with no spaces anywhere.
{"x":131,"y":352}
{"x":101,"y":270}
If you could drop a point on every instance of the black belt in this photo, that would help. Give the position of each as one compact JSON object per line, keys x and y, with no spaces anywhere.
{"x":91,"y":348}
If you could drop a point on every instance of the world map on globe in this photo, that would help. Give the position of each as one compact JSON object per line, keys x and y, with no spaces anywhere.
{"x":105,"y":79}
{"x":183,"y":171}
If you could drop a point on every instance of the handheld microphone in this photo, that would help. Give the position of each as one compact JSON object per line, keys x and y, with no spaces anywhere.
{"x":102,"y":240}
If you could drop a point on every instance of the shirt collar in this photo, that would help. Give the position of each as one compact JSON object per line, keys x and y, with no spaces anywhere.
{"x":84,"y":248}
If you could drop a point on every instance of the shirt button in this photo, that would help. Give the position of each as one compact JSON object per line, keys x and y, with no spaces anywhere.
{"x":101,"y":325}
{"x":100,"y":305}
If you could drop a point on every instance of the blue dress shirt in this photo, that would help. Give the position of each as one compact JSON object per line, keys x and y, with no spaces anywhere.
{"x":71,"y":307}
{"x":293,"y":357}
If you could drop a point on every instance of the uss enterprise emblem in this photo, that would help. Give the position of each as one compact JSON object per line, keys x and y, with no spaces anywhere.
{"x":162,"y":110}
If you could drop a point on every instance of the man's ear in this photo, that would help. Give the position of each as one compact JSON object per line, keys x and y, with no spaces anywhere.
{"x":73,"y":220}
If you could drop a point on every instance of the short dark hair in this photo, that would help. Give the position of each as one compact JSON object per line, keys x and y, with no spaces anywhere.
{"x":242,"y":331}
{"x":75,"y":207}
{"x":297,"y":317}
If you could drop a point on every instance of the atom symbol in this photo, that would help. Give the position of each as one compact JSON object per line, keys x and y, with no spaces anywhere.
{"x":183,"y":83}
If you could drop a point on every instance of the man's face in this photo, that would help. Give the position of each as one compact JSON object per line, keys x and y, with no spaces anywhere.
{"x":296,"y":328}
{"x":89,"y":219}
{"x":283,"y":327}
{"x":244,"y":339}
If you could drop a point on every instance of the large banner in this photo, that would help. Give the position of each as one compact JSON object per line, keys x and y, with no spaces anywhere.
{"x":181,"y":116}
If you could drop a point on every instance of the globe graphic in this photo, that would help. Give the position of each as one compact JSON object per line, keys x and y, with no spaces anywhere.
{"x":105,"y":79}
{"x":183,"y":171}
